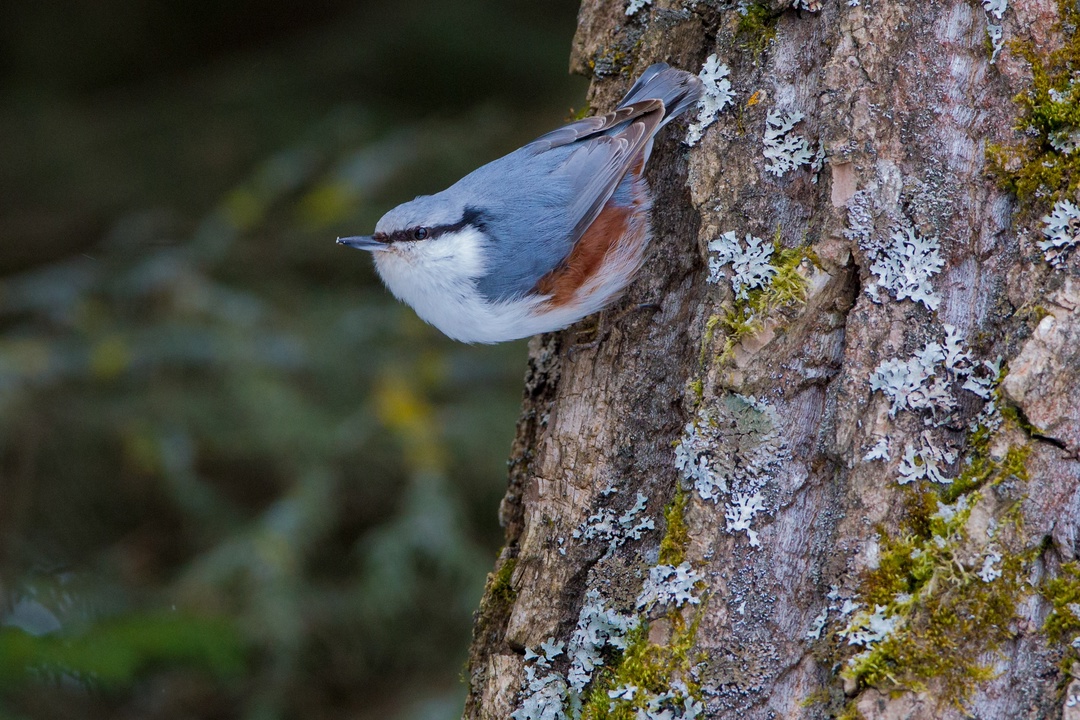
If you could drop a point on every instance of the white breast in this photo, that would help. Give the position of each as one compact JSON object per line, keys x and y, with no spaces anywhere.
{"x":438,"y":279}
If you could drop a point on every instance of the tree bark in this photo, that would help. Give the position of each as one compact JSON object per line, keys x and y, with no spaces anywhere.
{"x":865,"y":547}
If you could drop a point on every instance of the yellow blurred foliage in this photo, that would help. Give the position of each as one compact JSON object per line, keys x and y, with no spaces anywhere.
{"x":243,"y":208}
{"x":411,"y":417}
{"x":327,"y":203}
{"x":141,"y":449}
{"x":109,"y":358}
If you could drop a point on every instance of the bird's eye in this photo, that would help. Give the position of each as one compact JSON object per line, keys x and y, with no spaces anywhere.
{"x":420,"y":233}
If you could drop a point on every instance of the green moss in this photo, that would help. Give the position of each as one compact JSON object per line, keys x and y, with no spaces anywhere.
{"x":616,"y":59}
{"x":756,"y":29}
{"x":1063,"y":593}
{"x":1038,"y":312}
{"x":499,"y":588}
{"x":1013,"y":415}
{"x":949,"y":616}
{"x":1038,"y":174}
{"x":980,"y":469}
{"x":584,"y":112}
{"x":697,"y":389}
{"x":1014,"y":465}
{"x":746,"y":317}
{"x":819,"y":697}
{"x":677,"y":535}
{"x":648,"y":666}
{"x":850,"y":712}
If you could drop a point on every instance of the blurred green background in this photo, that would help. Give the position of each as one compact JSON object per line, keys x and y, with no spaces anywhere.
{"x":237,"y":480}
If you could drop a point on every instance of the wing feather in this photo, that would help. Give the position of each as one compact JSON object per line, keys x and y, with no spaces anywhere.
{"x":554,"y":188}
{"x":596,"y":167}
{"x":580,"y":129}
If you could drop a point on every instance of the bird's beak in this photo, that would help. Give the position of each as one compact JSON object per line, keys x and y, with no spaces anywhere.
{"x":362,"y":242}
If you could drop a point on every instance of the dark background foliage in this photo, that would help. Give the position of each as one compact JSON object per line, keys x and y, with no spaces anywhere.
{"x":237,"y":480}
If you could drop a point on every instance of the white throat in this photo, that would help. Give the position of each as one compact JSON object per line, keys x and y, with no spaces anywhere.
{"x":438,"y":279}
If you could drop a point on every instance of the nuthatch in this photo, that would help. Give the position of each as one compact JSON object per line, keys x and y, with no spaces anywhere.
{"x":540,"y":238}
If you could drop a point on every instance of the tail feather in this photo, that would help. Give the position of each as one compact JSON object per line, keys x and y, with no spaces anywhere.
{"x":677,"y":89}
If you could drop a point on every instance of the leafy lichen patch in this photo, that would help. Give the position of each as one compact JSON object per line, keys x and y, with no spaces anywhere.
{"x":616,"y":665}
{"x":765,"y":280}
{"x":731,"y":452}
{"x":1061,"y":232}
{"x":614,"y":527}
{"x":717,"y":95}
{"x":901,"y":261}
{"x":650,"y":680}
{"x":784,"y":149}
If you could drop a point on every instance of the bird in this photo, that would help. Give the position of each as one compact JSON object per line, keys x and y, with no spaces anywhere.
{"x":540,"y":238}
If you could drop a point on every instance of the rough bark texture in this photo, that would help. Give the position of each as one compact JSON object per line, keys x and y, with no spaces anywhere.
{"x":903,"y":98}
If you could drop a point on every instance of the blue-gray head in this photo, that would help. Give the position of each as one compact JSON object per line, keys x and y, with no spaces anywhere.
{"x":418,"y":222}
{"x":433,"y":252}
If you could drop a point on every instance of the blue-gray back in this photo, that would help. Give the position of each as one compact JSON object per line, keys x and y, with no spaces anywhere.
{"x":536,"y":202}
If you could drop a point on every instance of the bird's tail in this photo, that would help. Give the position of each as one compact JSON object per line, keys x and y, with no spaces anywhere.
{"x":678,"y":89}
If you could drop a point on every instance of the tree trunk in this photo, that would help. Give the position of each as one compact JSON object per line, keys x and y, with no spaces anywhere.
{"x":844,"y":481}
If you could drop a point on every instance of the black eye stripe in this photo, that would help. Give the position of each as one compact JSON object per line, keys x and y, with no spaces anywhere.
{"x":471,"y":216}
